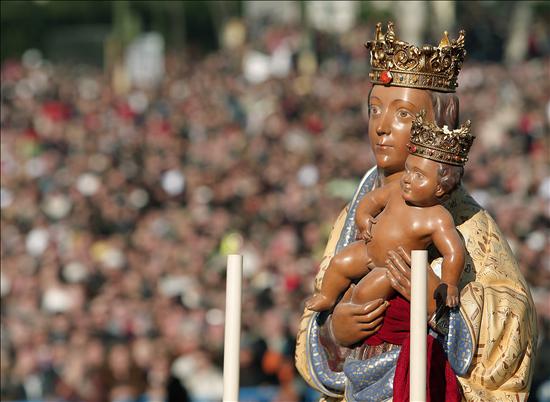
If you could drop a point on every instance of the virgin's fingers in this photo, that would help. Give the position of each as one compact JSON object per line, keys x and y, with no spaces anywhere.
{"x":395,"y":282}
{"x":400,"y":275}
{"x":393,"y":272}
{"x":374,"y":314}
{"x":401,"y":265}
{"x":373,"y":330}
{"x":371,"y":325}
{"x":356,"y":309}
{"x":404,"y":255}
{"x":403,"y":288}
{"x":390,"y":270}
{"x":362,"y":309}
{"x":371,"y":306}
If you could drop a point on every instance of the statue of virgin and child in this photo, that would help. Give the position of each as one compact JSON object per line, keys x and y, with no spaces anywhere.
{"x":353,"y":343}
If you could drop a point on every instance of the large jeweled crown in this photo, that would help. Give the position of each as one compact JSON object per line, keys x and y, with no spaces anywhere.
{"x":399,"y":63}
{"x":440,"y":144}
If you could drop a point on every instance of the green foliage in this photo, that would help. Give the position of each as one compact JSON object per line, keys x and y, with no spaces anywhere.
{"x":370,"y":13}
{"x":28,"y":24}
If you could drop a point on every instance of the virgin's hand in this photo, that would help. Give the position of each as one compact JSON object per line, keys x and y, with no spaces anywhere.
{"x":352,"y":323}
{"x":398,"y":267}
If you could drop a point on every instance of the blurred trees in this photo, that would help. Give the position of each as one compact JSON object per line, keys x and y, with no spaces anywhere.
{"x":30,"y":24}
{"x":36,"y":24}
{"x":65,"y":29}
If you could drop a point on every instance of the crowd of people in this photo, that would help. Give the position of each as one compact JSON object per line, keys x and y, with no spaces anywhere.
{"x":118,"y":211}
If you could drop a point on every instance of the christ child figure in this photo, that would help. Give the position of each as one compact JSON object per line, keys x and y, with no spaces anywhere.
{"x":407,"y":214}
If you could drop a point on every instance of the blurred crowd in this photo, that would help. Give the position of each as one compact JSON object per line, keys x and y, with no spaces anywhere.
{"x":118,"y":210}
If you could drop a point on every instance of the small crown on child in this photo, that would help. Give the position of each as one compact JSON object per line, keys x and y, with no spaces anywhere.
{"x":440,"y":144}
{"x":397,"y":63}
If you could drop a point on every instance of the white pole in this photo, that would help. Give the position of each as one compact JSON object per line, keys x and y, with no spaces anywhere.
{"x":419,"y":331}
{"x":232,"y":341}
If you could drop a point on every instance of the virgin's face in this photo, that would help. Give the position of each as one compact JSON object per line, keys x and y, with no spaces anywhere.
{"x":391,"y":113}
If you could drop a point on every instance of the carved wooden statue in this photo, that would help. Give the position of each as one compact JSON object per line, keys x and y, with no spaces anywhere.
{"x":481,"y":350}
{"x":432,"y":172}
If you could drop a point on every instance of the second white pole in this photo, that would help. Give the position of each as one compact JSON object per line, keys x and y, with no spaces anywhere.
{"x":232,"y":341}
{"x":419,"y":327}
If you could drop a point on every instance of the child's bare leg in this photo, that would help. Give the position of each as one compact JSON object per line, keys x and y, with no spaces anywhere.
{"x":351,"y":263}
{"x":374,"y":285}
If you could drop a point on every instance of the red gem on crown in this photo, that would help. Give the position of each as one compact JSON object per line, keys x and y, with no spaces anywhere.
{"x":412,"y":148}
{"x":386,"y":77}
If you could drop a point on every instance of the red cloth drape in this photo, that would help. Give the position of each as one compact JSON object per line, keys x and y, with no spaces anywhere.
{"x":442,"y":384}
{"x":395,"y":328}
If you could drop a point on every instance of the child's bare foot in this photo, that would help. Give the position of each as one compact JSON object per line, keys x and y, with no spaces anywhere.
{"x":319,"y":302}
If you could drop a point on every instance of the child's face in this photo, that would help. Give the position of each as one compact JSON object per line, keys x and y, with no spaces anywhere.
{"x":420,"y":184}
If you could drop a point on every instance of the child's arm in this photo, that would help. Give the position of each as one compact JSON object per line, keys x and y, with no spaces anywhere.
{"x":370,"y":206}
{"x":447,"y":240}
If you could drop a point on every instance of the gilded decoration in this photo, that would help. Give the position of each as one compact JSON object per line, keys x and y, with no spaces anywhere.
{"x":398,"y":63}
{"x":440,"y":144}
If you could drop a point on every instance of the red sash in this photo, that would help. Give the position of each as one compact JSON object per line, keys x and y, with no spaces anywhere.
{"x":442,"y":384}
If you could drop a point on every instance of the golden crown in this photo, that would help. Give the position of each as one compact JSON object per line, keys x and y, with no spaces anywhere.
{"x":440,"y":144}
{"x":399,"y":63}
